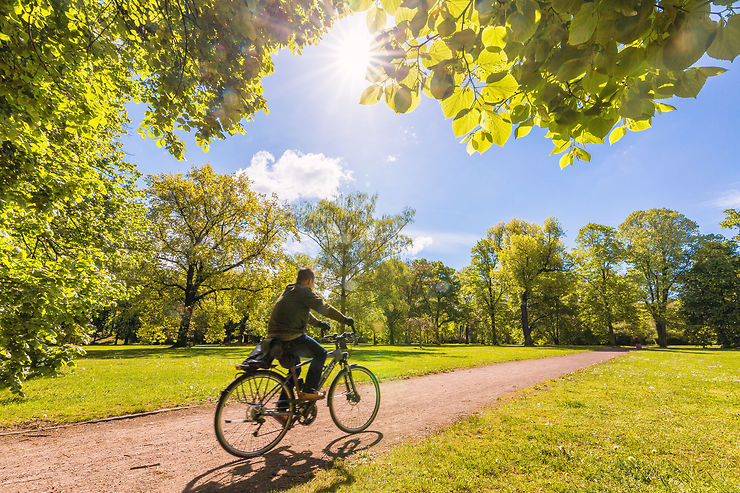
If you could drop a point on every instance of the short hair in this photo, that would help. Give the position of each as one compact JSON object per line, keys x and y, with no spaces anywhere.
{"x":304,"y":274}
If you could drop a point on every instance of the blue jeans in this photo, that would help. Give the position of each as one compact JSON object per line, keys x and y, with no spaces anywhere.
{"x":306,"y":347}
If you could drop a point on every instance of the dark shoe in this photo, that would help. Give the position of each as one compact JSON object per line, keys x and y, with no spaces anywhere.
{"x":311,"y":396}
{"x":280,"y":418}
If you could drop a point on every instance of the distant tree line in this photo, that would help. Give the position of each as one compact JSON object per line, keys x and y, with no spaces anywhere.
{"x":205,"y":257}
{"x":216,"y":262}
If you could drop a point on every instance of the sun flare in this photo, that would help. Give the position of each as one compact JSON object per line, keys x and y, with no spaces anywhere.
{"x":351,"y":54}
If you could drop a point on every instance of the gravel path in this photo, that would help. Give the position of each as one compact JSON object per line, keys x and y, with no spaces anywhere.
{"x":177,"y":451}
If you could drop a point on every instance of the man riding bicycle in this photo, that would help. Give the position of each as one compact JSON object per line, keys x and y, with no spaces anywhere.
{"x":288,"y":322}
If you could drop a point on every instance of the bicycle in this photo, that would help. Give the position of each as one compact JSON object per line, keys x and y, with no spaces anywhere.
{"x":248,"y":419}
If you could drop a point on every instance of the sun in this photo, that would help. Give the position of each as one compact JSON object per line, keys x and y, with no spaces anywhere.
{"x":350,"y":49}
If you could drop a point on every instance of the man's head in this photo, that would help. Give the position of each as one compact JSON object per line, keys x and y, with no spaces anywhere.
{"x":305,"y":277}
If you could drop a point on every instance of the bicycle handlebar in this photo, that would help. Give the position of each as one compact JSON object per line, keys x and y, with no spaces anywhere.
{"x":339,"y":337}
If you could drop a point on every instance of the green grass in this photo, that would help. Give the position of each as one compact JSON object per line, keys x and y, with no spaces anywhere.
{"x":654,"y":420}
{"x":115,"y":380}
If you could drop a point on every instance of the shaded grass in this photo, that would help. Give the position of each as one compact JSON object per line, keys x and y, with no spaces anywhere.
{"x":115,"y":380}
{"x":654,"y":420}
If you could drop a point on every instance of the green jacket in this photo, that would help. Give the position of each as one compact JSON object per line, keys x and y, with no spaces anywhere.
{"x":291,"y":312}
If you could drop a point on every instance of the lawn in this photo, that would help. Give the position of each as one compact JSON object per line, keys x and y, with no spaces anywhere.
{"x":115,"y":380}
{"x":654,"y":420}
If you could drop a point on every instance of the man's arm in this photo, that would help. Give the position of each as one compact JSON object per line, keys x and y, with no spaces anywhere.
{"x":315,"y":302}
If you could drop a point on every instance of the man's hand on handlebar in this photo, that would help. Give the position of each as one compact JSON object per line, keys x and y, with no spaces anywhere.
{"x":350,"y":321}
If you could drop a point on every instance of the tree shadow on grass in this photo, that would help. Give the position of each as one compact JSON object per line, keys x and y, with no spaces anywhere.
{"x":284,"y":468}
{"x":692,"y":350}
{"x":165,"y":351}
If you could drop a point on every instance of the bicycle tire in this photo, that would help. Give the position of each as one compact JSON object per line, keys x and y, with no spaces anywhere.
{"x":354,"y":399}
{"x":239,"y":414}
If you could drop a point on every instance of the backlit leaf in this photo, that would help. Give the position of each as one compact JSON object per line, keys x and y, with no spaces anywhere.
{"x":583,"y":24}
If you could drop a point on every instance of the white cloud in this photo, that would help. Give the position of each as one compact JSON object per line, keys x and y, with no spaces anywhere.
{"x":418,"y":244}
{"x":296,"y":175}
{"x":391,"y":158}
{"x":441,"y":241}
{"x":728,"y":200}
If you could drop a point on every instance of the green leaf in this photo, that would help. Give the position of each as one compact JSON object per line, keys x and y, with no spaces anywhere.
{"x":460,"y":100}
{"x":375,"y":19}
{"x":360,"y":5}
{"x":637,"y":126}
{"x":371,"y":95}
{"x":689,"y":42}
{"x":465,"y":121}
{"x":522,"y":130}
{"x":664,"y":108}
{"x":583,"y":25}
{"x":617,"y":134}
{"x":582,"y":154}
{"x":441,"y":84}
{"x":492,"y":61}
{"x":502,"y":89}
{"x":566,"y":160}
{"x":690,"y":83}
{"x":726,"y":45}
{"x":494,"y":36}
{"x":499,"y":128}
{"x":390,"y":6}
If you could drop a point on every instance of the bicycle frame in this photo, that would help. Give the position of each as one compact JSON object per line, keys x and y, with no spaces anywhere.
{"x":338,"y":356}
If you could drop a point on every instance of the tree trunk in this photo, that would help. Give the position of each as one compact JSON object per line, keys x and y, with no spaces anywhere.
{"x":612,"y":336}
{"x":526,"y":329}
{"x":190,"y":292}
{"x":660,"y":327}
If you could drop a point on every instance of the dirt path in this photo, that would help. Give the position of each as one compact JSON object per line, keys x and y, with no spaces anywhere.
{"x":177,"y":451}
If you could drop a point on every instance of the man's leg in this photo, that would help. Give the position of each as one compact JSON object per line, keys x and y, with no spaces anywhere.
{"x":307,"y":347}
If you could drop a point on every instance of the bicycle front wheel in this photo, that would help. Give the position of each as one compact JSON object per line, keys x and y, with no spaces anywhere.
{"x":354,"y":399}
{"x":253,"y":414}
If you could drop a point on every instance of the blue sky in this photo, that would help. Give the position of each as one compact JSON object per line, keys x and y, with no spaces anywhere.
{"x":317,"y":141}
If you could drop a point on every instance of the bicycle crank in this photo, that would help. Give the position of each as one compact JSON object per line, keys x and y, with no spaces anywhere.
{"x":307,"y":413}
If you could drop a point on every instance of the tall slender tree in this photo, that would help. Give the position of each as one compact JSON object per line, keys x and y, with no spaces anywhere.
{"x":351,"y":239}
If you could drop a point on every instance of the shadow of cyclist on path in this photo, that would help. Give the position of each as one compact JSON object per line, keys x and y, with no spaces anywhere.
{"x":282,"y":468}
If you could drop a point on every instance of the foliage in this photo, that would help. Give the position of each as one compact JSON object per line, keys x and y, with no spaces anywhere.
{"x":665,"y":429}
{"x":659,"y":246}
{"x":607,"y":296}
{"x":60,"y":247}
{"x":208,"y":231}
{"x":351,"y":240}
{"x":68,"y":68}
{"x":732,"y":220}
{"x":578,"y":68}
{"x":710,"y":294}
{"x":438,"y":291}
{"x":528,"y":253}
{"x":487,"y":283}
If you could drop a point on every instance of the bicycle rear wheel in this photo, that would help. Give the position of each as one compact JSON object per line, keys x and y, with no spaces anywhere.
{"x":354,"y":399}
{"x":248,"y":418}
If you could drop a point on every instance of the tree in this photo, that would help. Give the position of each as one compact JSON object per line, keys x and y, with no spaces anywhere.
{"x":351,"y":240}
{"x":576,"y":67}
{"x":208,"y":228}
{"x":60,"y":251}
{"x":606,"y":295}
{"x":68,"y":70}
{"x":438,"y":289}
{"x":528,"y":253}
{"x":659,"y":246}
{"x":390,"y":281}
{"x":484,"y":268}
{"x":732,"y":221}
{"x":710,"y":294}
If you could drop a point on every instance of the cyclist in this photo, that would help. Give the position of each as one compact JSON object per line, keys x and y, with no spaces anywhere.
{"x":288,"y":322}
